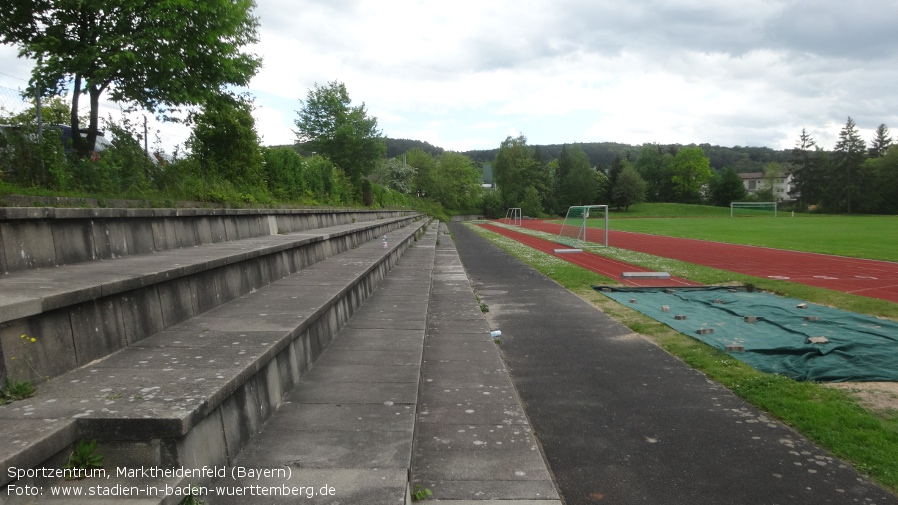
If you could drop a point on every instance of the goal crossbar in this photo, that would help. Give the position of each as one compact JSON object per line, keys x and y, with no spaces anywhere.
{"x":513,"y":216}
{"x":573,"y":231}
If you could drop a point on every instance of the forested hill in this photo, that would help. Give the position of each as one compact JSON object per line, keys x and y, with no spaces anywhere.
{"x":398,"y":147}
{"x":741,"y":159}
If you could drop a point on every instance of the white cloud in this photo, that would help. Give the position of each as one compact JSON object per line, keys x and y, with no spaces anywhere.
{"x":466,"y":74}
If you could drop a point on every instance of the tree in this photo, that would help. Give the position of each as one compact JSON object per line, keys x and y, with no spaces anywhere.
{"x":886,"y":169}
{"x":530,"y":202}
{"x":225,"y":143}
{"x":153,"y":53}
{"x":515,"y":170}
{"x":808,"y":173}
{"x":726,"y":187}
{"x":617,"y":166}
{"x":579,"y":187}
{"x":457,"y":182}
{"x":881,"y":142}
{"x":691,"y":170}
{"x":629,"y":188}
{"x":848,"y":157}
{"x":424,"y":165}
{"x":577,"y":184}
{"x":329,"y":125}
{"x":394,"y":174}
{"x":285,"y":173}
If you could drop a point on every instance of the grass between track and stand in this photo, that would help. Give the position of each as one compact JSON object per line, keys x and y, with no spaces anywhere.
{"x":830,"y":417}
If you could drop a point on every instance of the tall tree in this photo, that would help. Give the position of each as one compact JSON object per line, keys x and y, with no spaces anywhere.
{"x":424,"y":170}
{"x":225,"y":142}
{"x":691,"y":170}
{"x":577,"y":183}
{"x":329,"y":125}
{"x":154,"y":53}
{"x":808,"y":173}
{"x":848,"y":157}
{"x":617,"y":166}
{"x":726,"y":187}
{"x":886,"y":170}
{"x":881,"y":141}
{"x":580,"y":186}
{"x":629,"y":188}
{"x":515,"y":170}
{"x":648,"y":164}
{"x":457,"y":182}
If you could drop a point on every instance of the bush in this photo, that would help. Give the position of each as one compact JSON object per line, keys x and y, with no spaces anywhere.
{"x":492,"y":205}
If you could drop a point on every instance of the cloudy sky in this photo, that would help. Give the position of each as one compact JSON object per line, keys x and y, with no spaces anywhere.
{"x":467,"y":74}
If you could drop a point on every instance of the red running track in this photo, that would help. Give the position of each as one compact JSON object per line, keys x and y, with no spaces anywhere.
{"x":870,"y":278}
{"x":608,"y":267}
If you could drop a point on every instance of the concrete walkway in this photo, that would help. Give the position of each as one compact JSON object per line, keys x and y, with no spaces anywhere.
{"x":473,"y":439}
{"x":621,"y":421}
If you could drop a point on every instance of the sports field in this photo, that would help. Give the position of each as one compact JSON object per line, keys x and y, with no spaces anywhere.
{"x":871,"y":237}
{"x":847,"y":244}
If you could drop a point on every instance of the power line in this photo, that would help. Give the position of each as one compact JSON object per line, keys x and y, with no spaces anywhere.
{"x":14,"y":77}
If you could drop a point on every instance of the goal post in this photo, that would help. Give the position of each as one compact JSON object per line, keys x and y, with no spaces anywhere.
{"x":753,"y":209}
{"x":575,"y":231}
{"x":513,"y":216}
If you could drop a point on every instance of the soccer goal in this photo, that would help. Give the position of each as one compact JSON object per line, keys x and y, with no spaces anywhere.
{"x":574,"y":228}
{"x":513,"y":216}
{"x":743,"y":209}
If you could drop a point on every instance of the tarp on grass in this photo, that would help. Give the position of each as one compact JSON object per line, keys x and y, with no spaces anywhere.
{"x":858,"y":347}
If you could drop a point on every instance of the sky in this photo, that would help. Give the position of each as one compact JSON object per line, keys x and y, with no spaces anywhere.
{"x":465,"y":75}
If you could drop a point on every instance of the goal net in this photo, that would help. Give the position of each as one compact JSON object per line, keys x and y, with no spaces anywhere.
{"x":753,"y":209}
{"x":585,"y":226}
{"x":513,"y":216}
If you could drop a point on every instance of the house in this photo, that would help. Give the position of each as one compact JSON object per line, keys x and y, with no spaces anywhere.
{"x":782,"y":185}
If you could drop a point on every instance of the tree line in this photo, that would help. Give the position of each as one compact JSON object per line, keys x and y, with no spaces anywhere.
{"x":852,"y":178}
{"x":189,"y":56}
{"x":602,"y":154}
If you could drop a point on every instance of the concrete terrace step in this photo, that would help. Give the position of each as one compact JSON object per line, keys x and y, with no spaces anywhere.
{"x":42,"y":237}
{"x":411,"y":392}
{"x":193,"y":394}
{"x":84,"y":311}
{"x":31,"y":292}
{"x":349,"y":424}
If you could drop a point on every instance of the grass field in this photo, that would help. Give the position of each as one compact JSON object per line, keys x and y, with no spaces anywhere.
{"x":871,"y":237}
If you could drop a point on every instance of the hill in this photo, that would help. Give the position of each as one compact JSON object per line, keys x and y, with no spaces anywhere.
{"x":741,"y":159}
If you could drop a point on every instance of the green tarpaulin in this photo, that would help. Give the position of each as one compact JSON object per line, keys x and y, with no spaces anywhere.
{"x":777,"y":333}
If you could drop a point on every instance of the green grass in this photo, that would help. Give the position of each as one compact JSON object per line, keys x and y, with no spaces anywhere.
{"x":871,"y":237}
{"x":831,"y":418}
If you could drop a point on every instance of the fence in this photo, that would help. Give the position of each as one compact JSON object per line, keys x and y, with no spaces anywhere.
{"x":11,"y":102}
